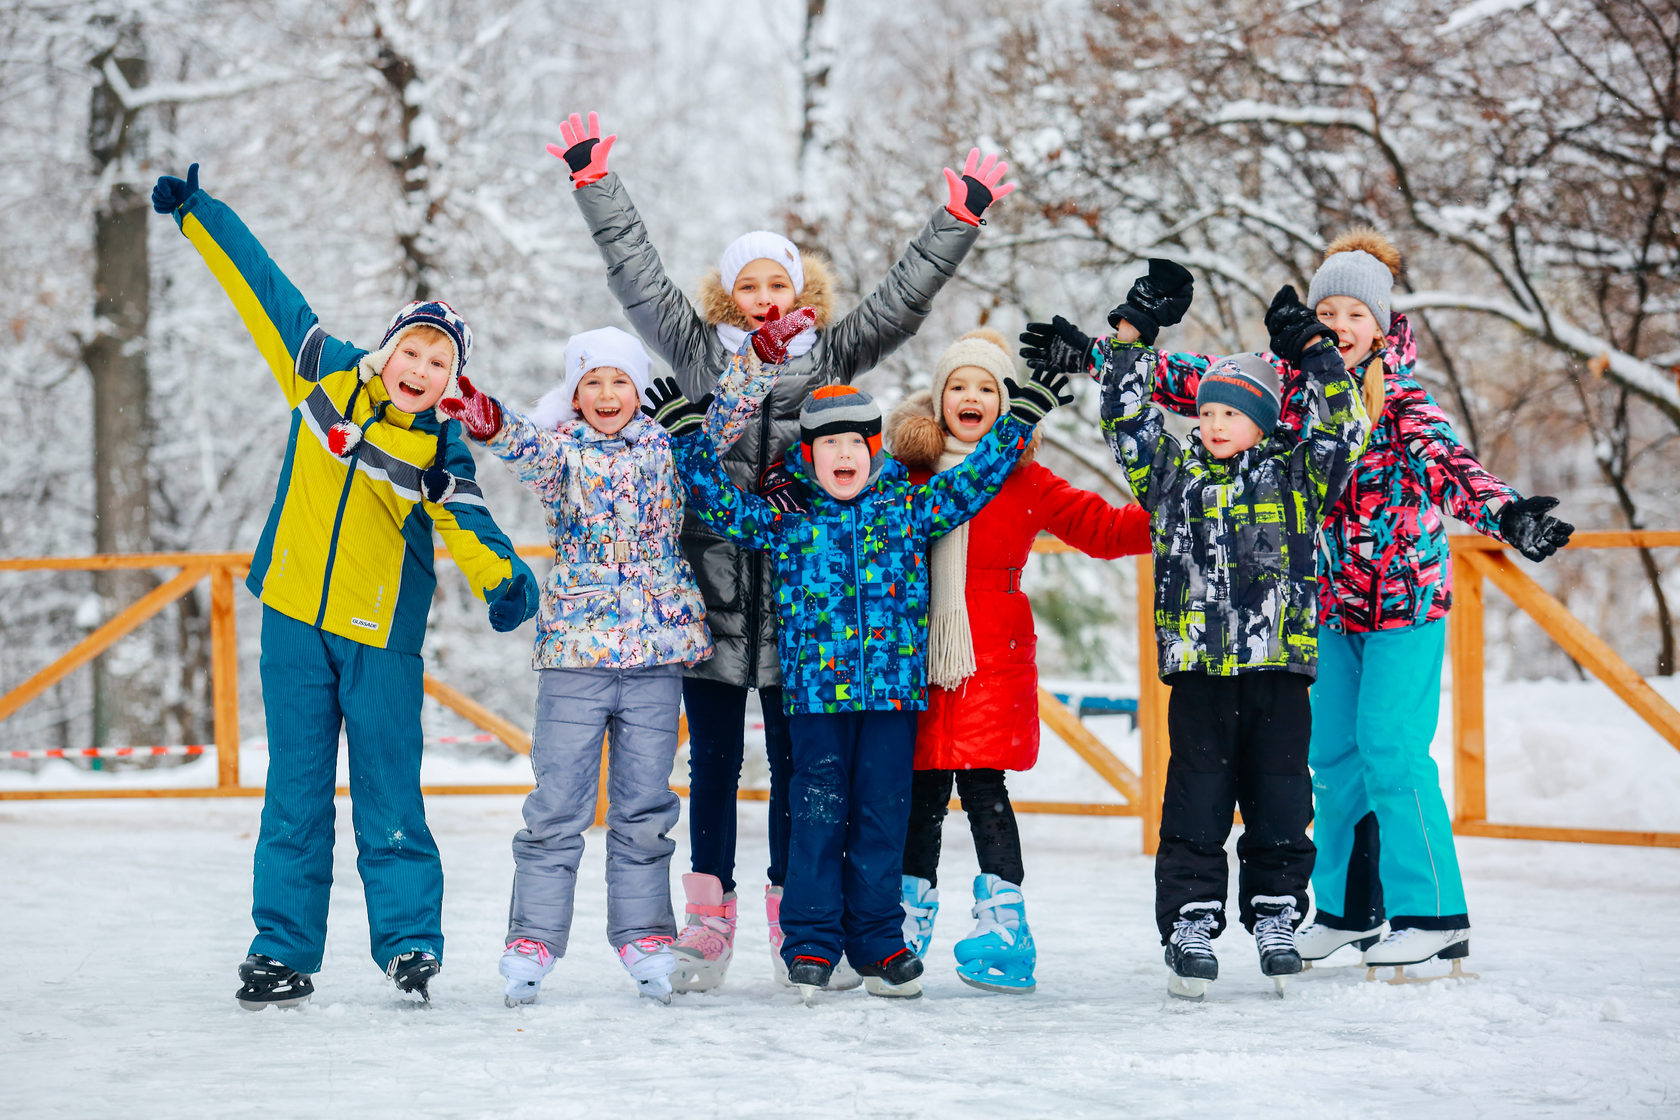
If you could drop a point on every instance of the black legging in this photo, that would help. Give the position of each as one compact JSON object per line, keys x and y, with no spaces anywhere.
{"x":991,"y":818}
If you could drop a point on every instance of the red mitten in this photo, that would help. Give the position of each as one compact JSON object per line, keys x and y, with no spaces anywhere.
{"x":770,"y":341}
{"x":585,"y":153}
{"x":976,"y":188}
{"x":478,"y":412}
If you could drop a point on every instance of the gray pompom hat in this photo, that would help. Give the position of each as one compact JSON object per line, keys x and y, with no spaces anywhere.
{"x":1358,"y":275}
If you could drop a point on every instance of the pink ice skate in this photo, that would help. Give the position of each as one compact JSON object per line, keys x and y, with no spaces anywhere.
{"x":707,"y":942}
{"x":844,"y":977}
{"x":649,"y":962}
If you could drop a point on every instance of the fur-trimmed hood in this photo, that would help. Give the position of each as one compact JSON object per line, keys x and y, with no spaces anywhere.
{"x":717,"y":307}
{"x":916,"y":438}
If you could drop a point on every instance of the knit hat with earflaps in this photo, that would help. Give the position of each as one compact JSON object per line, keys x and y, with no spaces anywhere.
{"x":437,"y":483}
{"x":834,"y":409}
{"x":1247,"y":383}
{"x":761,"y":244}
{"x":606,"y":346}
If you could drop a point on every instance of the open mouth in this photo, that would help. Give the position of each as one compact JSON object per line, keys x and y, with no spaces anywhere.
{"x":845,"y":475}
{"x":970,"y":416}
{"x":410,"y":389}
{"x":608,"y":411}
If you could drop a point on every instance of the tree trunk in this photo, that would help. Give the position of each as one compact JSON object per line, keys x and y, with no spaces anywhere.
{"x":125,"y":685}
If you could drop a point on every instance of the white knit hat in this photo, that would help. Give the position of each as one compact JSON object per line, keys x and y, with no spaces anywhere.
{"x":606,"y":346}
{"x":978,"y":350}
{"x":761,"y":244}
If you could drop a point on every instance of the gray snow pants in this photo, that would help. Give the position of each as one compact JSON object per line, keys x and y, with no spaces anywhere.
{"x":637,"y":709}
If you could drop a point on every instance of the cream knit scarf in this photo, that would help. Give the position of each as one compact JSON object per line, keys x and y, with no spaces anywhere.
{"x":950,"y":641}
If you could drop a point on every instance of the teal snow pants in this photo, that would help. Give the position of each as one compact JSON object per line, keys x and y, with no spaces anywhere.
{"x":1381,"y":825}
{"x":314,"y":681}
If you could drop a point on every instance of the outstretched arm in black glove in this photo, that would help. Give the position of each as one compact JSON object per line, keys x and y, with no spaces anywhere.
{"x":1531,"y":530}
{"x":1158,"y":299}
{"x":1057,"y":346}
{"x":678,"y":415}
{"x":1293,"y":327}
{"x":1044,"y":390}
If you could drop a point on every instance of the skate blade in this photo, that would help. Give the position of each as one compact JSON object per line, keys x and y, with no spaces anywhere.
{"x":808,"y":993}
{"x":1281,"y":983}
{"x":699,"y":976}
{"x":282,"y":1004}
{"x":657,"y":990}
{"x":1400,"y":976}
{"x":876,"y":986}
{"x":1192,"y":989}
{"x":998,"y":984}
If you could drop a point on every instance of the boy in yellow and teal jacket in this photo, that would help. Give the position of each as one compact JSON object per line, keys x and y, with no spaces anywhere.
{"x":344,"y":571}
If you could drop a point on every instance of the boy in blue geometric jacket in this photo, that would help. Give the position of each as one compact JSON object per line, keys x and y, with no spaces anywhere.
{"x":344,"y":571}
{"x":852,"y":596}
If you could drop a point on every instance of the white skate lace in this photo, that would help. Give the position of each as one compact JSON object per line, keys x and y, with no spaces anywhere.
{"x":1193,"y":932}
{"x":989,"y":921}
{"x":1276,"y":932}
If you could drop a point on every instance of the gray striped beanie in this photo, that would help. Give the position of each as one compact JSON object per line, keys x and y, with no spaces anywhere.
{"x":833,"y":409}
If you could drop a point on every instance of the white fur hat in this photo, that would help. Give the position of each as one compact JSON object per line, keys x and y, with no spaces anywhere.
{"x":761,"y":244}
{"x":605,"y":346}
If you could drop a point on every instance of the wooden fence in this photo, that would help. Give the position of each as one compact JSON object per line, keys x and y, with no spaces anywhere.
{"x":1477,"y":557}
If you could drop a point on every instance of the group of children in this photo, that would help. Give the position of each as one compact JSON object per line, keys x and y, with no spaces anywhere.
{"x":741,"y":526}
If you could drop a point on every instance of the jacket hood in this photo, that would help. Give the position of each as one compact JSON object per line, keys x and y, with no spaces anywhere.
{"x":917,"y":439}
{"x":717,"y":307}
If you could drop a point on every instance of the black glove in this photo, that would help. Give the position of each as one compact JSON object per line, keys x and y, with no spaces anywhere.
{"x":778,"y":486}
{"x":1058,"y":346}
{"x":1526,"y":526}
{"x":1293,"y":326}
{"x":170,"y":192}
{"x":518,"y":602}
{"x":1158,"y":299}
{"x":1044,"y":390}
{"x":674,"y":412}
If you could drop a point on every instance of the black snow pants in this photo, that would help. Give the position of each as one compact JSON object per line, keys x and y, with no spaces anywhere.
{"x":991,"y":819}
{"x":1236,"y":741}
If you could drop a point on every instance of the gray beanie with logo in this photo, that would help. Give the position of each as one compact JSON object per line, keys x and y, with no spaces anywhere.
{"x":1358,"y":275}
{"x":1247,"y":383}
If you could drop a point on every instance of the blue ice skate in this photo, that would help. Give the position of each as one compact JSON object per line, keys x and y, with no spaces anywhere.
{"x":999,"y":955}
{"x":920,"y":900}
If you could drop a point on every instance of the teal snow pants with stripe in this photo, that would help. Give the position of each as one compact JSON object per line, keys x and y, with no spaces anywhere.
{"x":1382,"y":829}
{"x":314,"y":681}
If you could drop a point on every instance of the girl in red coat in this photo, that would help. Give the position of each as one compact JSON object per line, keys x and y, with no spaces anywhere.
{"x":982,"y":713}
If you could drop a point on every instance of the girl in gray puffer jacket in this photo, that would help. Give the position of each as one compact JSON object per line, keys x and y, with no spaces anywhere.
{"x":758,"y":271}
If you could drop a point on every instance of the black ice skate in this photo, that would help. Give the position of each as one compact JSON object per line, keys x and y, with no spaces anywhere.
{"x":897,"y":977}
{"x":810,"y":975}
{"x":412,"y":971}
{"x":1274,"y":935}
{"x":1190,"y":951}
{"x":270,"y":983}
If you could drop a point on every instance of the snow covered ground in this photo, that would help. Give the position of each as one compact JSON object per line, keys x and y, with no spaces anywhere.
{"x":122,"y":923}
{"x":124,"y":920}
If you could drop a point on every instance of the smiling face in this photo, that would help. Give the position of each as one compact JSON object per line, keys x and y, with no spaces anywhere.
{"x":1227,"y":432}
{"x":417,"y":372}
{"x":606,"y":398}
{"x":971,"y":403}
{"x":841,"y":464}
{"x":1356,"y":328}
{"x":759,"y":286}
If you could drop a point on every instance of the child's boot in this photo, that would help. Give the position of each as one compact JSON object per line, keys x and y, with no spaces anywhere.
{"x":1274,"y":935}
{"x":896,"y":977}
{"x":809,"y":975}
{"x":524,"y":963}
{"x":999,"y":955}
{"x":1190,"y":950}
{"x":1316,"y":941}
{"x":707,"y":942}
{"x":920,"y":900}
{"x":412,"y":971}
{"x":649,"y":961}
{"x":266,"y":982}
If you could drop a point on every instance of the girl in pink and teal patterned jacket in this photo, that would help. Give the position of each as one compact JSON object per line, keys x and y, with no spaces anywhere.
{"x":621,"y":616}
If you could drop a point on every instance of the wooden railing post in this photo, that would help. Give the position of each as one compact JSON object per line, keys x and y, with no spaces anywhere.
{"x":1152,"y":709}
{"x":224,"y":677}
{"x":1464,"y":628}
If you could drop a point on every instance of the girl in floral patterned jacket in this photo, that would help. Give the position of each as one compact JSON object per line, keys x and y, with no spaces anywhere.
{"x":620,"y":618}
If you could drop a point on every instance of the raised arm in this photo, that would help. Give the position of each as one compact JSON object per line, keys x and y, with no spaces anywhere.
{"x":480,"y":549}
{"x":286,"y":331}
{"x":1335,"y":428}
{"x":1083,"y":519}
{"x":750,"y":375}
{"x":1136,"y":431}
{"x":896,"y":309}
{"x":534,"y":453}
{"x":725,"y":508}
{"x":655,"y":306}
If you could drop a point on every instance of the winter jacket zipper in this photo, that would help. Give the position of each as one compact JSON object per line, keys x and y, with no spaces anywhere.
{"x":755,"y":559}
{"x":338,"y":518}
{"x":857,"y":598}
